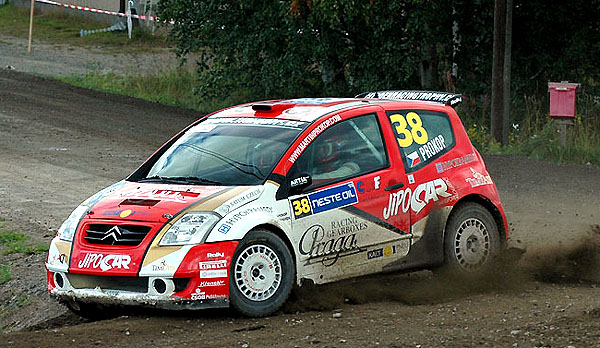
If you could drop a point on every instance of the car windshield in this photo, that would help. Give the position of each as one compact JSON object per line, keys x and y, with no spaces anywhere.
{"x":225,"y":151}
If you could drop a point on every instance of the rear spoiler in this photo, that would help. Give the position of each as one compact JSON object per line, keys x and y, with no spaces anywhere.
{"x":439,"y":97}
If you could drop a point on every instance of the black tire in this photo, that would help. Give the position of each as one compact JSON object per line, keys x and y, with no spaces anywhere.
{"x":471,"y":242}
{"x":91,"y":311}
{"x":262,"y":274}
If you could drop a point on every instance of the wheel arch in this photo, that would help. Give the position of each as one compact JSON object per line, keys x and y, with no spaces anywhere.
{"x":284,"y":237}
{"x":488,"y":205}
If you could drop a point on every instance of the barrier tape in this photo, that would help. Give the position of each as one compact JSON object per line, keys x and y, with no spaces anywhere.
{"x":95,"y":10}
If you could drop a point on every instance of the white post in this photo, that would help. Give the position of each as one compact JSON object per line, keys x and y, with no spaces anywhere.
{"x":30,"y":25}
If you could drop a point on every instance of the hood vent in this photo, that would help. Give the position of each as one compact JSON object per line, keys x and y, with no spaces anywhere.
{"x":140,"y":202}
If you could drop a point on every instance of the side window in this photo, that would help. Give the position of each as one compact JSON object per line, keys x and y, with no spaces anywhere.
{"x":350,"y":148}
{"x":422,"y":136}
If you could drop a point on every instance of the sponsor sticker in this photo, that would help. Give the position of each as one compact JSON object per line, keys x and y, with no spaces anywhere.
{"x":199,"y":294}
{"x":402,"y":247}
{"x":224,"y":228}
{"x":213,"y":269}
{"x":104,"y":262}
{"x":456,"y":162}
{"x":479,"y":179}
{"x":239,"y":201}
{"x":312,"y":135}
{"x":324,"y":200}
{"x":213,"y":264}
{"x":255,"y":121}
{"x":327,"y":245}
{"x":213,"y":273}
{"x":233,"y":219}
{"x":403,"y":200}
{"x":365,"y":188}
{"x":163,"y":266}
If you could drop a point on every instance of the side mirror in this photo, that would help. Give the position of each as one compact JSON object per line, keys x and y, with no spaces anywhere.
{"x":298,"y":182}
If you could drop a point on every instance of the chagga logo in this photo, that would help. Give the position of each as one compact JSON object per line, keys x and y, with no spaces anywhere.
{"x":104,"y":262}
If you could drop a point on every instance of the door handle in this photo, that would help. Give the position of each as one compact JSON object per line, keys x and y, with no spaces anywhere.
{"x":395,"y":186}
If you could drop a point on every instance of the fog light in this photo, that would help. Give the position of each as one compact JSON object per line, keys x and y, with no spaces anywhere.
{"x":161,"y":286}
{"x":59,"y":280}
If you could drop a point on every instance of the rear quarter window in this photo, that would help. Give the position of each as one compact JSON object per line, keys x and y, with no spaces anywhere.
{"x":422,"y":136}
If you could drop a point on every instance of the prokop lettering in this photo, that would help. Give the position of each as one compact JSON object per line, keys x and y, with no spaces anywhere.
{"x":104,"y":262}
{"x":312,"y":135}
{"x":424,"y":193}
{"x":433,"y":147}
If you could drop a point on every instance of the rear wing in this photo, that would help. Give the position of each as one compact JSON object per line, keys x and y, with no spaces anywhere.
{"x":438,"y":97}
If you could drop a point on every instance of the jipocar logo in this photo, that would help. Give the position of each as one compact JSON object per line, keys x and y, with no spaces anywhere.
{"x":104,"y":262}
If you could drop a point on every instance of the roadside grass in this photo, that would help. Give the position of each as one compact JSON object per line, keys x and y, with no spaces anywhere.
{"x":176,"y":87}
{"x":12,"y":242}
{"x":59,"y":28}
{"x":5,"y":275}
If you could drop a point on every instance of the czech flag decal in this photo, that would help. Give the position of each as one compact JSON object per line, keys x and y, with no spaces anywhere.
{"x":413,"y":159}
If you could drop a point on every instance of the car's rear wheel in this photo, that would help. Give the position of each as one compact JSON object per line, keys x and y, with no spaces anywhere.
{"x":472,"y":241}
{"x":262,"y":274}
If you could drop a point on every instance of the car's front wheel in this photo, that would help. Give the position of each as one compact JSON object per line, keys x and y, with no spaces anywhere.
{"x":472,"y":240}
{"x":262,"y":274}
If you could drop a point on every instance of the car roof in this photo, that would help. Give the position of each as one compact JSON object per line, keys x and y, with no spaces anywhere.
{"x":312,"y":109}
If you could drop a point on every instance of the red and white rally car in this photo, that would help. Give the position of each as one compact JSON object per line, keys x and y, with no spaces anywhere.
{"x":250,"y":200}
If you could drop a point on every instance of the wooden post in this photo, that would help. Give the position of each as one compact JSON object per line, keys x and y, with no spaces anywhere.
{"x":30,"y":25}
{"x":498,"y":96}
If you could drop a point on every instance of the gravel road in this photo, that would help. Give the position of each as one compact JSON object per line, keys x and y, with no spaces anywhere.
{"x":59,"y":144}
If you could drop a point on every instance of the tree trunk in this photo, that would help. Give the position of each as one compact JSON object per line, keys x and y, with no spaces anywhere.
{"x":498,"y":71}
{"x":507,"y":67}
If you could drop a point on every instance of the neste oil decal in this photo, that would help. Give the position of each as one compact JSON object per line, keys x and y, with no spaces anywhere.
{"x":320,"y":201}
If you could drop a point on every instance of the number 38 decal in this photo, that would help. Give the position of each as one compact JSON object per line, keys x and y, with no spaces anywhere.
{"x":409,"y":129}
{"x":301,"y":207}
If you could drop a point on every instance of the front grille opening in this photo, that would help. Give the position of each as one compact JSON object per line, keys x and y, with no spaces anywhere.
{"x":106,"y":234}
{"x":86,"y":281}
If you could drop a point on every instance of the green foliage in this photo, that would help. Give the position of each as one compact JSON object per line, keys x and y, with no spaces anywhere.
{"x":534,"y":134}
{"x":309,"y":48}
{"x":5,"y":275}
{"x":15,"y":242}
{"x":174,"y":87}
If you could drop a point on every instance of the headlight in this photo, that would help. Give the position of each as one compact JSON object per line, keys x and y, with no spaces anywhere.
{"x":67,"y":229}
{"x":190,"y":229}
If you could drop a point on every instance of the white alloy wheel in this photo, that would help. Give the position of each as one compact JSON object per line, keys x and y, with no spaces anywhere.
{"x":472,"y":244}
{"x":257,"y":272}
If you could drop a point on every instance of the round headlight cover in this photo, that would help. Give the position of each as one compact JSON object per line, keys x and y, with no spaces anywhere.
{"x":190,"y":229}
{"x":67,"y":229}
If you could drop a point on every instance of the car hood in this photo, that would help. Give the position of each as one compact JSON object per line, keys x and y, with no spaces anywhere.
{"x":151,"y":202}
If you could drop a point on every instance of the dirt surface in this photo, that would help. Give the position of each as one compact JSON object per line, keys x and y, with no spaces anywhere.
{"x":60,"y":144}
